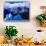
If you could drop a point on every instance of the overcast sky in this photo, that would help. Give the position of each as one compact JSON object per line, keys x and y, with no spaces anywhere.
{"x":17,"y":4}
{"x":17,"y":0}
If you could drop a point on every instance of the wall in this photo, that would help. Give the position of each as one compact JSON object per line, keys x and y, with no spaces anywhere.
{"x":27,"y":28}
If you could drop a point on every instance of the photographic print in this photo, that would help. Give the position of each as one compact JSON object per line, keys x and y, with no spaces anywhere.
{"x":18,"y":10}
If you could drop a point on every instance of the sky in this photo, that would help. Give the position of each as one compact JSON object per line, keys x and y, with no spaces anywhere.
{"x":16,"y":4}
{"x":17,"y":0}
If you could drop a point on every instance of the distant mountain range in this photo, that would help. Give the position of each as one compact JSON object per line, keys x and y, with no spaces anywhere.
{"x":17,"y":9}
